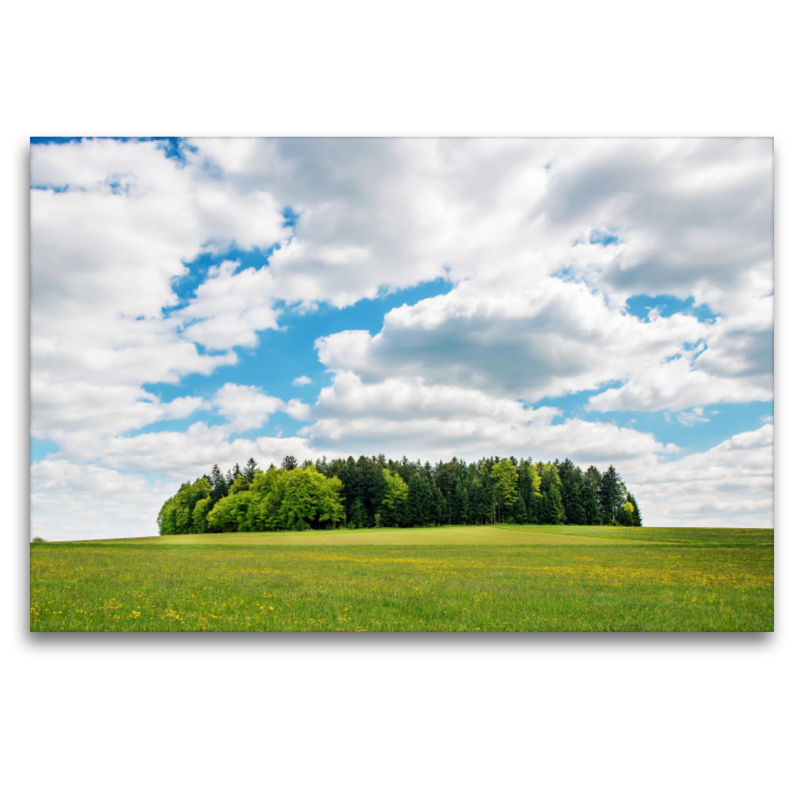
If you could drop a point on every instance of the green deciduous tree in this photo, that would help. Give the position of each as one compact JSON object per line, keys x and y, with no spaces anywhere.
{"x":176,"y":515}
{"x":505,"y":480}
{"x":230,"y":513}
{"x":394,"y":500}
{"x":636,"y":516}
{"x":379,"y":491}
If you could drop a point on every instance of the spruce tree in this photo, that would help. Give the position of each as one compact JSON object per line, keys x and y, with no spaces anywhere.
{"x":519,"y":512}
{"x":440,"y":509}
{"x":637,"y":516}
{"x":591,"y":496}
{"x":461,"y":505}
{"x":417,"y":503}
{"x":249,"y":471}
{"x":451,"y":493}
{"x":219,"y":486}
{"x":358,"y":516}
{"x":552,"y":512}
{"x":612,"y":497}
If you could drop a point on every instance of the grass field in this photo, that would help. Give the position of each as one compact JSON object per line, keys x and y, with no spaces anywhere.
{"x":492,"y":578}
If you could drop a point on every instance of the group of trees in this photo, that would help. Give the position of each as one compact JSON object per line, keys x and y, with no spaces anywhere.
{"x":380,"y":492}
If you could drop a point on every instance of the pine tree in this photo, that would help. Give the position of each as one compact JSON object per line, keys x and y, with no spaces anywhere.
{"x":417,"y":501}
{"x":636,"y":516}
{"x":553,"y":508}
{"x":519,"y":512}
{"x":373,"y":490}
{"x":358,"y":516}
{"x":219,"y":486}
{"x":461,"y":505}
{"x":322,"y":466}
{"x":571,"y":495}
{"x":439,"y":507}
{"x":249,"y":471}
{"x":612,"y":497}
{"x":590,"y":494}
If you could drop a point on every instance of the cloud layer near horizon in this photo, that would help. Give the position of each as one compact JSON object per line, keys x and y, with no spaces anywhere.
{"x":543,"y":243}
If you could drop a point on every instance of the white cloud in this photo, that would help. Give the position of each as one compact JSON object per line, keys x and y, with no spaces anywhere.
{"x":103,"y":255}
{"x":86,"y":501}
{"x":183,"y":455}
{"x":540,"y":341}
{"x":676,"y":385}
{"x":229,"y":307}
{"x":691,"y":417}
{"x":730,"y":485}
{"x":303,"y":380}
{"x":402,"y":416}
{"x":538,"y":308}
{"x":245,"y":407}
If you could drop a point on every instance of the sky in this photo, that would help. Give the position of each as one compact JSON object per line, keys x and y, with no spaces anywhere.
{"x":204,"y":301}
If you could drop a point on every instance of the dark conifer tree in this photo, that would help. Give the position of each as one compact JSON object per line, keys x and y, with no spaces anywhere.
{"x":519,"y":513}
{"x":358,"y":516}
{"x":373,"y":485}
{"x":321,"y":466}
{"x":637,"y":516}
{"x":451,"y":493}
{"x":460,"y":509}
{"x":535,"y":509}
{"x":553,"y":508}
{"x":219,"y":486}
{"x":612,"y":497}
{"x":249,"y":471}
{"x":420,"y":497}
{"x":405,"y":469}
{"x":486,"y":500}
{"x":440,"y":510}
{"x":571,"y":492}
{"x":591,"y":496}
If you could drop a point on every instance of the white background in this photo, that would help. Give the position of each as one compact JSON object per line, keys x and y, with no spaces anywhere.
{"x":460,"y":716}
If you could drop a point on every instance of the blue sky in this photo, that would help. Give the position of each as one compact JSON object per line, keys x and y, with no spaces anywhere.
{"x":201,"y":301}
{"x":281,"y":356}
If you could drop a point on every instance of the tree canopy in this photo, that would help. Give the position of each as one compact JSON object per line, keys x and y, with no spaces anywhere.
{"x":376,"y":491}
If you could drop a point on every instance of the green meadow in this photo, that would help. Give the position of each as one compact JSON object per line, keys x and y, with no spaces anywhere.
{"x":477,"y":578}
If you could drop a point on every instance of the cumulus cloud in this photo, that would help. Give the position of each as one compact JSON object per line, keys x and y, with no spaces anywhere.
{"x":245,"y":407}
{"x":403,"y":416}
{"x":548,"y":340}
{"x":87,"y":501}
{"x":187,"y":454}
{"x":112,"y":224}
{"x":229,"y":308}
{"x":728,"y":485}
{"x":544,"y":241}
{"x":695,"y":214}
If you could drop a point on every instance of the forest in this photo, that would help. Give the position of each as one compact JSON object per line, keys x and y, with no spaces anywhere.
{"x":379,"y":492}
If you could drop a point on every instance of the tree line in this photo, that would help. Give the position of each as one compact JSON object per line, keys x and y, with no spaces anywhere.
{"x":379,"y":492}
